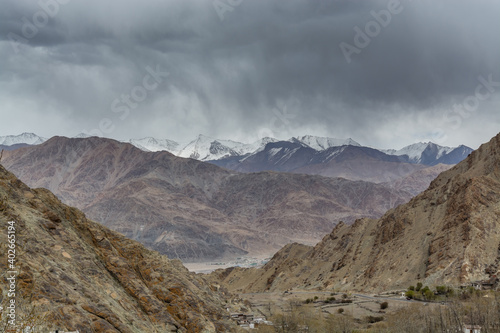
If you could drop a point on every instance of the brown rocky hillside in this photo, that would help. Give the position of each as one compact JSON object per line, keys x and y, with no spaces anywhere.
{"x":193,"y":210}
{"x":79,"y":275}
{"x":449,"y":234}
{"x":418,"y":181}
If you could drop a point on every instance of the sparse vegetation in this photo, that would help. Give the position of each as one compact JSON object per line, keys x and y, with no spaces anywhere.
{"x":479,"y":308}
{"x":439,"y":294}
{"x":307,"y":319}
{"x":447,"y":312}
{"x":450,"y":317}
{"x":373,"y":319}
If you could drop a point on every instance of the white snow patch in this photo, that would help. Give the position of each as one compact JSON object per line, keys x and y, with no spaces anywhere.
{"x":321,"y":143}
{"x":26,"y":138}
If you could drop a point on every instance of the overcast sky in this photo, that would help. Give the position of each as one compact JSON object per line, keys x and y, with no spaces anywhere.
{"x":383,"y":73}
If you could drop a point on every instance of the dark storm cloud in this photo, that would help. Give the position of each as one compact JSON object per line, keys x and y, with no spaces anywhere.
{"x":230,"y":77}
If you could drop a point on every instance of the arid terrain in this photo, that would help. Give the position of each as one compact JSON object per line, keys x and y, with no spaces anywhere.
{"x":75,"y":274}
{"x":192,"y":210}
{"x":449,"y":234}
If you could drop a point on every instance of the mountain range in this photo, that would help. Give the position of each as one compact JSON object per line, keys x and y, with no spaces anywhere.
{"x":181,"y":208}
{"x":232,"y":153}
{"x":190,"y":209}
{"x":12,"y":142}
{"x":348,"y":161}
{"x":447,"y":235}
{"x":74,"y":274}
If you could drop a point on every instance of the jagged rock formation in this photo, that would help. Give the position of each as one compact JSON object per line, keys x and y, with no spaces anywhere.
{"x":193,"y":210}
{"x":86,"y":277}
{"x":449,"y":234}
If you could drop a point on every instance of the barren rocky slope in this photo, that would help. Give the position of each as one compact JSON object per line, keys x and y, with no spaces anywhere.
{"x":193,"y":210}
{"x":85,"y":277}
{"x":418,"y":181}
{"x":449,"y":234}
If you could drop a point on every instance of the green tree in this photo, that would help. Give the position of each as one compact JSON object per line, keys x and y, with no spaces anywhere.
{"x":429,"y":295}
{"x":441,"y":290}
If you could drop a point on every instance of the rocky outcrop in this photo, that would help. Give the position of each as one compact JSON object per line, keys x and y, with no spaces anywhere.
{"x":449,"y":234}
{"x":79,"y":275}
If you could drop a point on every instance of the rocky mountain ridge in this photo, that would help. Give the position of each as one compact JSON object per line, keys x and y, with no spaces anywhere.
{"x":75,"y":274}
{"x":206,"y":148}
{"x":350,"y":162}
{"x":449,"y":234}
{"x":190,"y":209}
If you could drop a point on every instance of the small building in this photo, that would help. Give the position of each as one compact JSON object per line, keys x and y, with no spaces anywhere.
{"x":236,"y":315}
{"x":490,"y":284}
{"x":476,"y":285}
{"x":472,"y":329}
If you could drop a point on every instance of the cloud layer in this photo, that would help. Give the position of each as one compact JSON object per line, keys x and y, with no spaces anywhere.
{"x":240,"y":69}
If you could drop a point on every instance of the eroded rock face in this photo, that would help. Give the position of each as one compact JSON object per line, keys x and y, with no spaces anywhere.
{"x":449,"y":234}
{"x":85,"y":277}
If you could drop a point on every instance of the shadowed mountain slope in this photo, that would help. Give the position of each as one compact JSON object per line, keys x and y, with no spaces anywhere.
{"x":449,"y":234}
{"x":348,"y":161}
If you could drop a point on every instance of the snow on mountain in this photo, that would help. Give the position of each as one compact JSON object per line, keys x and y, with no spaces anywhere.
{"x":416,"y":151}
{"x":247,"y":148}
{"x":334,"y":152}
{"x":26,"y":138}
{"x":205,"y":148}
{"x":321,"y":143}
{"x":152,"y":144}
{"x":286,"y":154}
{"x":82,"y":136}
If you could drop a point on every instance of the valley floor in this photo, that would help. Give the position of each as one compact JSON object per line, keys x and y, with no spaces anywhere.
{"x":245,"y":262}
{"x":378,"y":313}
{"x":362,"y":304}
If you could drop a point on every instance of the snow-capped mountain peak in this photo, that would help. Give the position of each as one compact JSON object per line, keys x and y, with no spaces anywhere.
{"x":152,"y":144}
{"x":414,"y":150}
{"x":321,"y":143}
{"x":198,"y":149}
{"x":82,"y":136}
{"x":26,"y":138}
{"x":205,"y":148}
{"x":421,"y":151}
